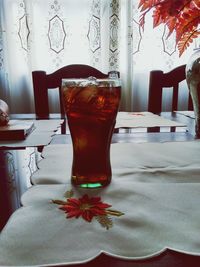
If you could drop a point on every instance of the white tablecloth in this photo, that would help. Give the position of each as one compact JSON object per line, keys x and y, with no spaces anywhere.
{"x":41,"y":136}
{"x":140,"y":162}
{"x":156,"y":186}
{"x":187,"y":113}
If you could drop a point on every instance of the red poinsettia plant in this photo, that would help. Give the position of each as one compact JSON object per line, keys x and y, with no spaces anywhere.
{"x":180,"y":16}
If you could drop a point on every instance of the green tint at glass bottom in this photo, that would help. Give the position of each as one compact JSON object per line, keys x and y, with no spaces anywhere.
{"x":95,"y":185}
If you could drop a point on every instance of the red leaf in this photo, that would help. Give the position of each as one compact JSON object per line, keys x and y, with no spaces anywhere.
{"x":186,"y":40}
{"x":180,"y":16}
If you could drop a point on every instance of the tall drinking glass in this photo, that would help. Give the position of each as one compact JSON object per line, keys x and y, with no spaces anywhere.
{"x":91,"y":106}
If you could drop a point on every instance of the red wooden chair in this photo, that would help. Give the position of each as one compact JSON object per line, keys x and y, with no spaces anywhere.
{"x":158,"y":80}
{"x":42,"y":82}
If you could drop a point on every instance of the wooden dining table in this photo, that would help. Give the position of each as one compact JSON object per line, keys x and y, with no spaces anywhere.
{"x":183,"y":134}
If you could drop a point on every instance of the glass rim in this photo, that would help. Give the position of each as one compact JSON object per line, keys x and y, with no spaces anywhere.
{"x":99,"y":82}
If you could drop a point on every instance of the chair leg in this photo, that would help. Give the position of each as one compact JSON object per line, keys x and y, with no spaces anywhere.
{"x":153,"y":129}
{"x":63,"y":127}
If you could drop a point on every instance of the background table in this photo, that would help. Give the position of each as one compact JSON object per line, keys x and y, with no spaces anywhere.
{"x":18,"y":159}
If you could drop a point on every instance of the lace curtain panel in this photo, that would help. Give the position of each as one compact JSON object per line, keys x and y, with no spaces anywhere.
{"x":49,"y":34}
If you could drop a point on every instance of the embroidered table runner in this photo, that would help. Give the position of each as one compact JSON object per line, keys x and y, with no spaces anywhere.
{"x":42,"y":135}
{"x":143,"y":120}
{"x":155,"y":187}
{"x":156,"y":217}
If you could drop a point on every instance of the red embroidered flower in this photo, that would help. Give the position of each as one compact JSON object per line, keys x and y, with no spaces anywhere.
{"x":85,"y":206}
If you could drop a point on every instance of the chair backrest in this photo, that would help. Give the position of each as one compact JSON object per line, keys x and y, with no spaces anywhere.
{"x":43,"y":81}
{"x":158,"y":80}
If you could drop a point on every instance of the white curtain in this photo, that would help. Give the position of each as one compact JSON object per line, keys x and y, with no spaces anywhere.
{"x":49,"y":34}
{"x":153,"y":50}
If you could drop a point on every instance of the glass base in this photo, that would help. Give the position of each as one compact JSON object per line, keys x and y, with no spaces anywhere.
{"x":91,"y":185}
{"x":96,"y":185}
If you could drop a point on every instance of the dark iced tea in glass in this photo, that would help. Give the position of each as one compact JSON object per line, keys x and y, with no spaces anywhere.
{"x":91,"y":107}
